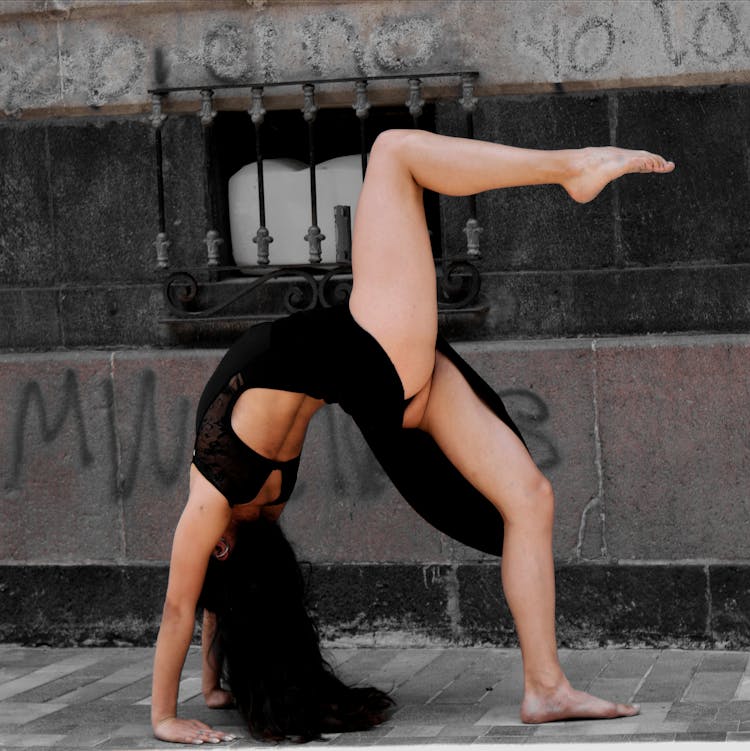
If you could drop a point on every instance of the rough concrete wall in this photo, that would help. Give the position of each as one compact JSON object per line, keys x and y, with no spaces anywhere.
{"x":99,"y":445}
{"x":75,"y":55}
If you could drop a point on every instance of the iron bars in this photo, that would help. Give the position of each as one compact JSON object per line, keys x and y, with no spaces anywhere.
{"x":193,"y":294}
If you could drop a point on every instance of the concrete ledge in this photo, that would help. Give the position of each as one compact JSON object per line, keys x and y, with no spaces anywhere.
{"x":376,"y":604}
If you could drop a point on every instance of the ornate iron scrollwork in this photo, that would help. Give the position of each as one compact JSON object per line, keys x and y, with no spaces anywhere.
{"x":458,"y":285}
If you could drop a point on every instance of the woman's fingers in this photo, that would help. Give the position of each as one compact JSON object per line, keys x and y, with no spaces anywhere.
{"x":189,"y":731}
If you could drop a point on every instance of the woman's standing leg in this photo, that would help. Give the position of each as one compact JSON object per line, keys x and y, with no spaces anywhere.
{"x":394,"y":297}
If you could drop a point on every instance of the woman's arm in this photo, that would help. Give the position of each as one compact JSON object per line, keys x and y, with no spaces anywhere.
{"x":213,"y":659}
{"x":205,"y":517}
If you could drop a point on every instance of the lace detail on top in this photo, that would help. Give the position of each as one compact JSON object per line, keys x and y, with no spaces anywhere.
{"x":233,"y":468}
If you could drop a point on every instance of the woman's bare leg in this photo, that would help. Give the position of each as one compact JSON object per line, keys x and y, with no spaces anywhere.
{"x":394,"y":294}
{"x":394,"y":298}
{"x":492,"y":458}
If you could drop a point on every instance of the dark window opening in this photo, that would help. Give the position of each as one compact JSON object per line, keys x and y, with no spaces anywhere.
{"x":284,"y":134}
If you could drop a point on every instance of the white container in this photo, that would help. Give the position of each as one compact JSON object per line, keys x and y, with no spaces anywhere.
{"x":287,"y":192}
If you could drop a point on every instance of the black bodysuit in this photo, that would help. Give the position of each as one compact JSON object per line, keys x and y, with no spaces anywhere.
{"x":325,"y":354}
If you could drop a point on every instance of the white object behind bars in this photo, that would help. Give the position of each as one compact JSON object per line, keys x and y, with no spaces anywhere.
{"x":287,"y":191}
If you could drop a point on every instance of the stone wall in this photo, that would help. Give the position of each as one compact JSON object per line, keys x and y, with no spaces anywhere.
{"x":642,"y":438}
{"x":616,"y":331}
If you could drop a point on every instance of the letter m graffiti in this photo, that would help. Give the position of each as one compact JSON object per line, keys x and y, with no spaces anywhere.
{"x":68,"y":406}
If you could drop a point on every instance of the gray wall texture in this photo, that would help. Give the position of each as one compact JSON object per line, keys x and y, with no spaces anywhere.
{"x":617,"y":331}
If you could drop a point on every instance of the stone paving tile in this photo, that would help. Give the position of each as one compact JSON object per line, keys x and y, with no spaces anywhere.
{"x":135,"y":692}
{"x":630,"y":663}
{"x":431,"y":679}
{"x":404,"y":730}
{"x":712,"y":686}
{"x":479,"y":678}
{"x":724,"y":726}
{"x":426,"y":714}
{"x":731,"y":710}
{"x":364,"y":663}
{"x":701,"y":737}
{"x":462,"y":730}
{"x":21,"y":713}
{"x":715,"y":662}
{"x":359,"y":739}
{"x":681,"y":710}
{"x":582,"y":667}
{"x":505,"y":730}
{"x":614,"y":689}
{"x":402,"y":666}
{"x":500,"y":714}
{"x":47,"y":673}
{"x":410,"y":741}
{"x":511,"y":739}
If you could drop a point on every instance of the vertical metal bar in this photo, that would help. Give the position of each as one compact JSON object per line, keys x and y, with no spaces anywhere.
{"x":415,"y":103}
{"x":213,"y":240}
{"x":314,"y":236}
{"x":468,"y":101}
{"x":161,"y":244}
{"x":362,"y":110}
{"x":262,"y":237}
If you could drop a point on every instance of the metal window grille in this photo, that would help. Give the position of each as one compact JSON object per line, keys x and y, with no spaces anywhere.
{"x":213,"y":292}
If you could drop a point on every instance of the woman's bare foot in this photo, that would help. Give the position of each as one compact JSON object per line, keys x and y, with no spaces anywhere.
{"x":565,"y":703}
{"x":593,"y":168}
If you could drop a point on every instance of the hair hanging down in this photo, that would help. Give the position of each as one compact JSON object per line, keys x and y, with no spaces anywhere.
{"x":282,"y":685}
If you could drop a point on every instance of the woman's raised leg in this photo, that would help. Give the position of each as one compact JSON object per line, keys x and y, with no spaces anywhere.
{"x":394,"y":294}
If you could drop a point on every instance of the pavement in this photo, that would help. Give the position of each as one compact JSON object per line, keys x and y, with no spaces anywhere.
{"x":98,"y":698}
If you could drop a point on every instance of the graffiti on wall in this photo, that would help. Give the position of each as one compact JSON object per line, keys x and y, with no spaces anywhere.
{"x":99,"y":63}
{"x":590,"y":44}
{"x":126,"y":446}
{"x":99,"y":442}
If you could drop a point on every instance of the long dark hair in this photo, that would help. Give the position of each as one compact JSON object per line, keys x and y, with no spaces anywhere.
{"x":282,"y":685}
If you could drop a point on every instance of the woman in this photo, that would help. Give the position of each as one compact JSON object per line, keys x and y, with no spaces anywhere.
{"x":382,"y":360}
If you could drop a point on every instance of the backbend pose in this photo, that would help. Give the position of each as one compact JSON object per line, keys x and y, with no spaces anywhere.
{"x":440,"y":432}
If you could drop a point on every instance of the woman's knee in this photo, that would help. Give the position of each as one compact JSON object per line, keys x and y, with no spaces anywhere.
{"x":535,"y":503}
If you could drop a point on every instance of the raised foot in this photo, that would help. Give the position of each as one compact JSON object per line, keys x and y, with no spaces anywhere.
{"x":565,"y":703}
{"x":593,"y":168}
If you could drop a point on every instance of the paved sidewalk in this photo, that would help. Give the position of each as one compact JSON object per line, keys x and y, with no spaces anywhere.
{"x":99,"y":697}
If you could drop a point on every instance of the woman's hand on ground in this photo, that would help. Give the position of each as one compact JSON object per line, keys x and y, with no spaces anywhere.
{"x":217,"y":698}
{"x":188,"y":731}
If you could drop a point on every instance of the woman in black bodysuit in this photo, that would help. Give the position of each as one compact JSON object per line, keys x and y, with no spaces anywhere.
{"x":440,"y":432}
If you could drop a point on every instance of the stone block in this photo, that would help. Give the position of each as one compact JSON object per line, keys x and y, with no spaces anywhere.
{"x":185,"y":212}
{"x":29,"y":319}
{"x":484,"y":613}
{"x":730,"y":604}
{"x":635,"y":604}
{"x":349,"y":600}
{"x":673,"y":416}
{"x":27,"y":252}
{"x":57,"y":482}
{"x":154,"y":406}
{"x":622,"y":302}
{"x":103,"y":187}
{"x":534,"y":227}
{"x":111,"y":316}
{"x":699,"y":213}
{"x":66,"y":605}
